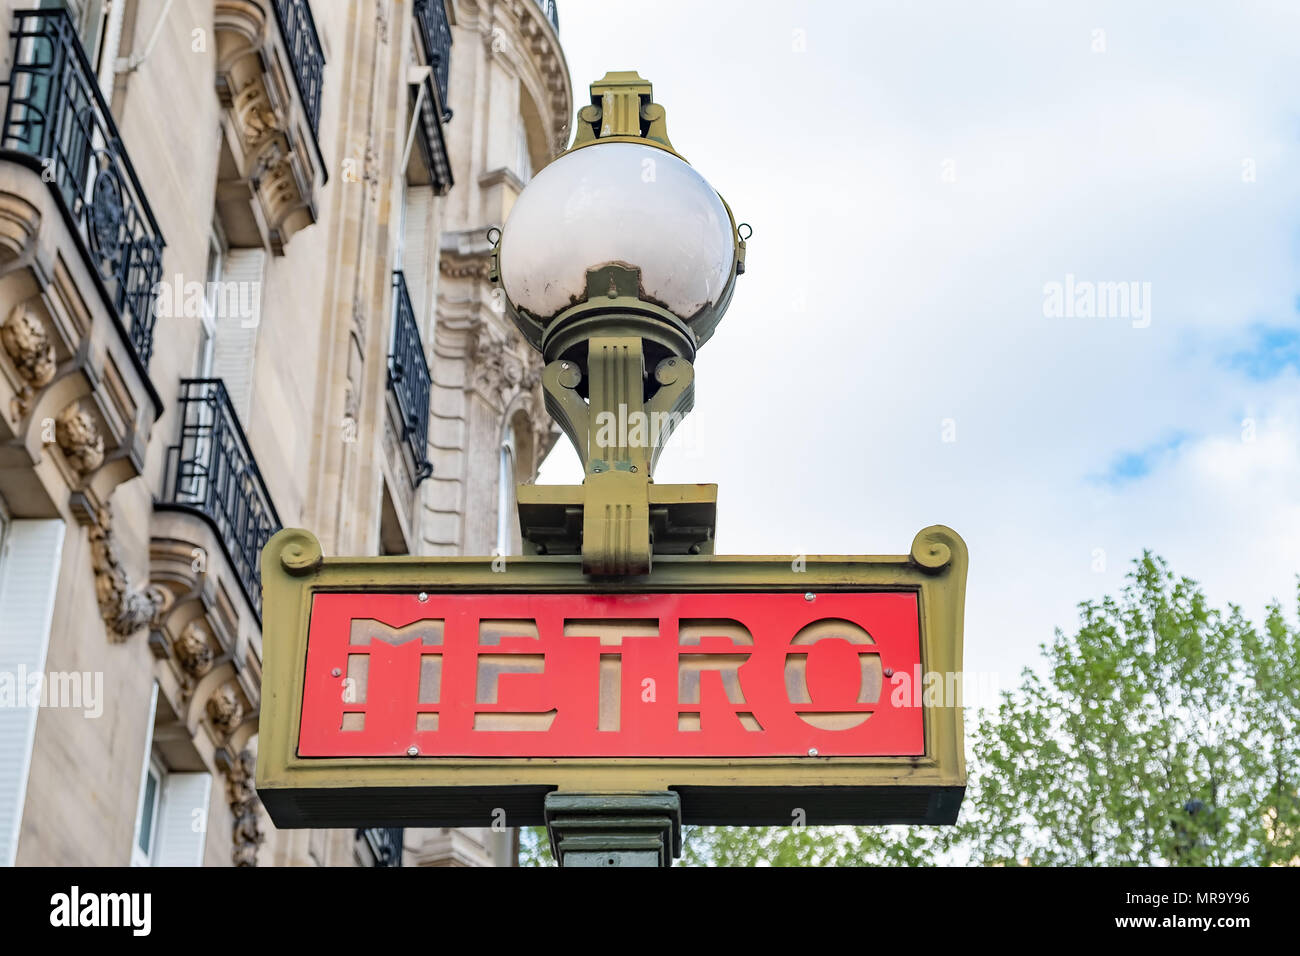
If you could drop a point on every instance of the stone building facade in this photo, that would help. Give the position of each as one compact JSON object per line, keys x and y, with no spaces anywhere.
{"x":243,"y":285}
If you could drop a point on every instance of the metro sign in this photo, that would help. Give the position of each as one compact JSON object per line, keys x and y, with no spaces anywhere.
{"x":598,"y":675}
{"x":405,"y":691}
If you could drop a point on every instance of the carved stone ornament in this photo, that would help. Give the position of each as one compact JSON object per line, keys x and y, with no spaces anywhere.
{"x":29,"y":346}
{"x":76,"y":434}
{"x":105,"y":218}
{"x":554,"y":77}
{"x":370,"y":166}
{"x":246,"y":832}
{"x":257,"y":120}
{"x":280,"y":188}
{"x":194,"y":653}
{"x":464,"y":267}
{"x":534,"y":364}
{"x":125,"y":609}
{"x":225,"y":709}
{"x":496,"y":371}
{"x":255,"y":84}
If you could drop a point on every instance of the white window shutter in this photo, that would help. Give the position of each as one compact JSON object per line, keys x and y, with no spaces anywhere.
{"x":239,"y":313}
{"x":29,"y":578}
{"x":415,"y":248}
{"x":183,"y":819}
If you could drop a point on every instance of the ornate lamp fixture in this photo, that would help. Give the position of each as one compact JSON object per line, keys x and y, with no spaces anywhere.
{"x":617,"y":262}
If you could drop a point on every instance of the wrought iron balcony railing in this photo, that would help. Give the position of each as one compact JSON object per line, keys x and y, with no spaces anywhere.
{"x":385,"y":844}
{"x":435,"y":31}
{"x":211,"y":472}
{"x":433,"y":145}
{"x":298,"y":29}
{"x":56,"y":121}
{"x":552,"y":14}
{"x":409,"y":379}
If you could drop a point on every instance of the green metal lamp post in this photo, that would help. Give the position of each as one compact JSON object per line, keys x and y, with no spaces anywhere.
{"x":623,"y":678}
{"x":617,"y":262}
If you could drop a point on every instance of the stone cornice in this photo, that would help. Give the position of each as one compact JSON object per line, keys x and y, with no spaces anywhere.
{"x":465,"y":254}
{"x":501,"y":174}
{"x":457,"y":267}
{"x":552,"y":68}
{"x":518,"y":32}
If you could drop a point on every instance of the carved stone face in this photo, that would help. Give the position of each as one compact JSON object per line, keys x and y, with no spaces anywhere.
{"x":26,"y":341}
{"x":82,"y":445}
{"x":193,"y":650}
{"x":225,"y":709}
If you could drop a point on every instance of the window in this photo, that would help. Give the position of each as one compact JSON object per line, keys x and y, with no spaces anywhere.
{"x":523,"y":161}
{"x":425,"y":175}
{"x":150,"y":782}
{"x":236,"y":315}
{"x":99,"y":24}
{"x":191,"y":482}
{"x":147,"y":823}
{"x":414,"y":248}
{"x":171,"y":820}
{"x":208,"y":329}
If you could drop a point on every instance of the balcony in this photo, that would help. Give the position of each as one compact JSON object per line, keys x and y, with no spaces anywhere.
{"x":382,"y":845}
{"x":552,"y":14}
{"x":409,"y":383}
{"x":269,"y":78}
{"x":433,"y":146}
{"x":435,"y":32}
{"x":431,"y":99}
{"x":298,"y":29}
{"x":56,"y":122}
{"x":211,"y":472}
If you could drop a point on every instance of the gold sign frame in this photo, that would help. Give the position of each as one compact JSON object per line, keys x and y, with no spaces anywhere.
{"x":461,"y":791}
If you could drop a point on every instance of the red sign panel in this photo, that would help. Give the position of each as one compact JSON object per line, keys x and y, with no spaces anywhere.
{"x":610,"y":675}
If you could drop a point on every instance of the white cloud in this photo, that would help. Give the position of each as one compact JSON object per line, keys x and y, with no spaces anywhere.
{"x":922,"y":299}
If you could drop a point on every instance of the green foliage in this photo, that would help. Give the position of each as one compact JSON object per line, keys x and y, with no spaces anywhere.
{"x":807,"y":846}
{"x":534,"y":847}
{"x":1162,"y":732}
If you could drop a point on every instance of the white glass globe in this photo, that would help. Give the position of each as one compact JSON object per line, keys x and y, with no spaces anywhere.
{"x":617,"y":202}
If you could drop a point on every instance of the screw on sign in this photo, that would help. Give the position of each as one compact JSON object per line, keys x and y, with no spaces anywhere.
{"x":554,"y":675}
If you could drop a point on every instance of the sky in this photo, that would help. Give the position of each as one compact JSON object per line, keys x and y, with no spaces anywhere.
{"x":936,"y":191}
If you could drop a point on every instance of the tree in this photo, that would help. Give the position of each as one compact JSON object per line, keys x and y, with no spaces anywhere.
{"x":1162,"y":731}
